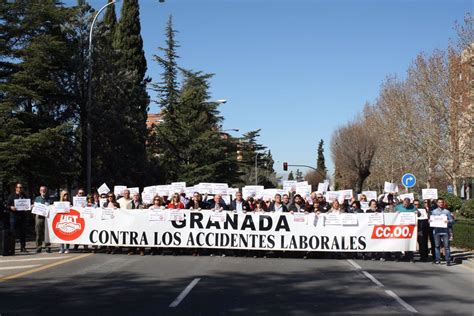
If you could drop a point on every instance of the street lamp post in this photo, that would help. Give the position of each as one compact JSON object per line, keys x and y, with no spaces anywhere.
{"x":89,"y":102}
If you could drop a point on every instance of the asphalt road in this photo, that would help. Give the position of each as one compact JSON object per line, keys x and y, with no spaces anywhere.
{"x":49,"y":284}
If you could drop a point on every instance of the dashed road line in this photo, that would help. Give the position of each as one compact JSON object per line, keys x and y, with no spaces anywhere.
{"x":185,"y":292}
{"x":379,"y":284}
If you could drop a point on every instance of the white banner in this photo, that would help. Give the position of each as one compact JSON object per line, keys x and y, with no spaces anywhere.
{"x":207,"y":229}
{"x":429,"y":194}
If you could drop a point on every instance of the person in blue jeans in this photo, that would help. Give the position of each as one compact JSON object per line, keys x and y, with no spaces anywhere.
{"x":442,"y":233}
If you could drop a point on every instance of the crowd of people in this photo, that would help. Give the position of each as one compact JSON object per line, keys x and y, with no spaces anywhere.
{"x":429,"y":238}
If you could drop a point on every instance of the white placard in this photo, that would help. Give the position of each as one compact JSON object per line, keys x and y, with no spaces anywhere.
{"x":300,"y":218}
{"x":390,"y":187}
{"x":150,"y":189}
{"x":177,"y":187}
{"x":440,"y":221}
{"x":205,"y":188}
{"x":364,"y":206}
{"x":407,"y":218}
{"x":411,"y":196}
{"x":40,"y":209}
{"x":118,"y":190}
{"x":103,"y":189}
{"x":133,"y":190}
{"x":176,"y":215}
{"x":147,"y":197}
{"x":423,"y":214}
{"x":344,"y":195}
{"x":375,"y":219}
{"x":22,"y":204}
{"x":332,"y":219}
{"x":349,"y":219}
{"x":429,"y":194}
{"x":289,"y":185}
{"x":371,"y":195}
{"x":331,"y":196}
{"x":88,"y":212}
{"x":157,"y":216}
{"x":218,"y":217}
{"x":323,"y":187}
{"x":163,"y":190}
{"x":79,"y":201}
{"x":107,"y":214}
{"x":62,"y":207}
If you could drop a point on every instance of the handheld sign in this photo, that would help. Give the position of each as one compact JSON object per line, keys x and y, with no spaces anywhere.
{"x":408,"y":180}
{"x":22,"y":204}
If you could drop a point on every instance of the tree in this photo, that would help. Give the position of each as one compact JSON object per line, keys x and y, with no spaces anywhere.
{"x":254,"y":152}
{"x":36,"y":106}
{"x":353,"y":148}
{"x":133,"y":108}
{"x":291,"y":176}
{"x":317,"y":176}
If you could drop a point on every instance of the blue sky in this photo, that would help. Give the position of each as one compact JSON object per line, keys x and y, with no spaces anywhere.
{"x":297,"y":69}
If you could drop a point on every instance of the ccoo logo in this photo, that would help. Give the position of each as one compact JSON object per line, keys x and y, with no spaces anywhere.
{"x":68,"y":226}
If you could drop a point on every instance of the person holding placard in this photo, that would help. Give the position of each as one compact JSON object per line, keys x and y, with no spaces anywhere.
{"x":239,"y":204}
{"x":441,"y":234}
{"x":324,"y":206}
{"x":217,"y":203}
{"x":373,"y":207}
{"x":40,"y":220}
{"x":18,"y":218}
{"x":298,"y":205}
{"x":136,"y":201}
{"x":64,"y":197}
{"x":175,"y":202}
{"x":336,"y":208}
{"x":429,"y":206}
{"x":277,"y":205}
{"x":423,"y":231}
{"x":406,"y":207}
{"x":81,"y":193}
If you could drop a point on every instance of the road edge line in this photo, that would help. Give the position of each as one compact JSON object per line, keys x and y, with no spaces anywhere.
{"x":18,"y":275}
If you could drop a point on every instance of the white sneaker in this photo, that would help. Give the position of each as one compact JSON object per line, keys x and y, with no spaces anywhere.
{"x":61,"y":251}
{"x":66,"y":251}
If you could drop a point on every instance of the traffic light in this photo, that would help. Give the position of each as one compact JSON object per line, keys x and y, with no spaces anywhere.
{"x":285,"y":166}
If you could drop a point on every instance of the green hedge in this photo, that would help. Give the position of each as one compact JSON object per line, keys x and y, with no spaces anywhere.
{"x":467,"y":209}
{"x":464,"y":233}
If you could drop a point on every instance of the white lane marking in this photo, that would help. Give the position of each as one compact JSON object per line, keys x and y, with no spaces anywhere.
{"x":358,"y":267}
{"x":19,"y":267}
{"x":401,"y":301}
{"x":379,"y":284}
{"x":372,"y":278}
{"x":31,"y":259}
{"x":185,"y":292}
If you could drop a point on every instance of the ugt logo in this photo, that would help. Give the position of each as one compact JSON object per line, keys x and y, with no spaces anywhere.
{"x":68,"y":226}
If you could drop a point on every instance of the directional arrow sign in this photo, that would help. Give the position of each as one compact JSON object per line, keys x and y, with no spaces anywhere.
{"x":408,"y":180}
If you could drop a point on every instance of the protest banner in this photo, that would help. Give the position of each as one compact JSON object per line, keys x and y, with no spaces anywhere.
{"x":195,"y":229}
{"x":103,"y":189}
{"x":89,"y":212}
{"x":349,"y":219}
{"x":118,"y":190}
{"x":79,"y":201}
{"x":61,"y":207}
{"x":440,"y":221}
{"x":40,"y":209}
{"x":390,"y":187}
{"x":423,"y":214}
{"x":371,"y":195}
{"x":22,"y":204}
{"x":147,"y":197}
{"x":411,"y":196}
{"x":407,"y":218}
{"x":429,"y":194}
{"x":323,"y":187}
{"x":157,"y":215}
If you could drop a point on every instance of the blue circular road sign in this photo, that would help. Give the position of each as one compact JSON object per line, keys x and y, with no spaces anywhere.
{"x":408,"y":180}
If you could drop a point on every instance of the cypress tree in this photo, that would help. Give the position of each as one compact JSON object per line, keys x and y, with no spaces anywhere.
{"x":320,"y":163}
{"x":291,"y":176}
{"x":133,"y":106}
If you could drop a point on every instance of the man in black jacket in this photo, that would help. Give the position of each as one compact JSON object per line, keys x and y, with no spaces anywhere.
{"x":239,"y":204}
{"x":277,"y":205}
